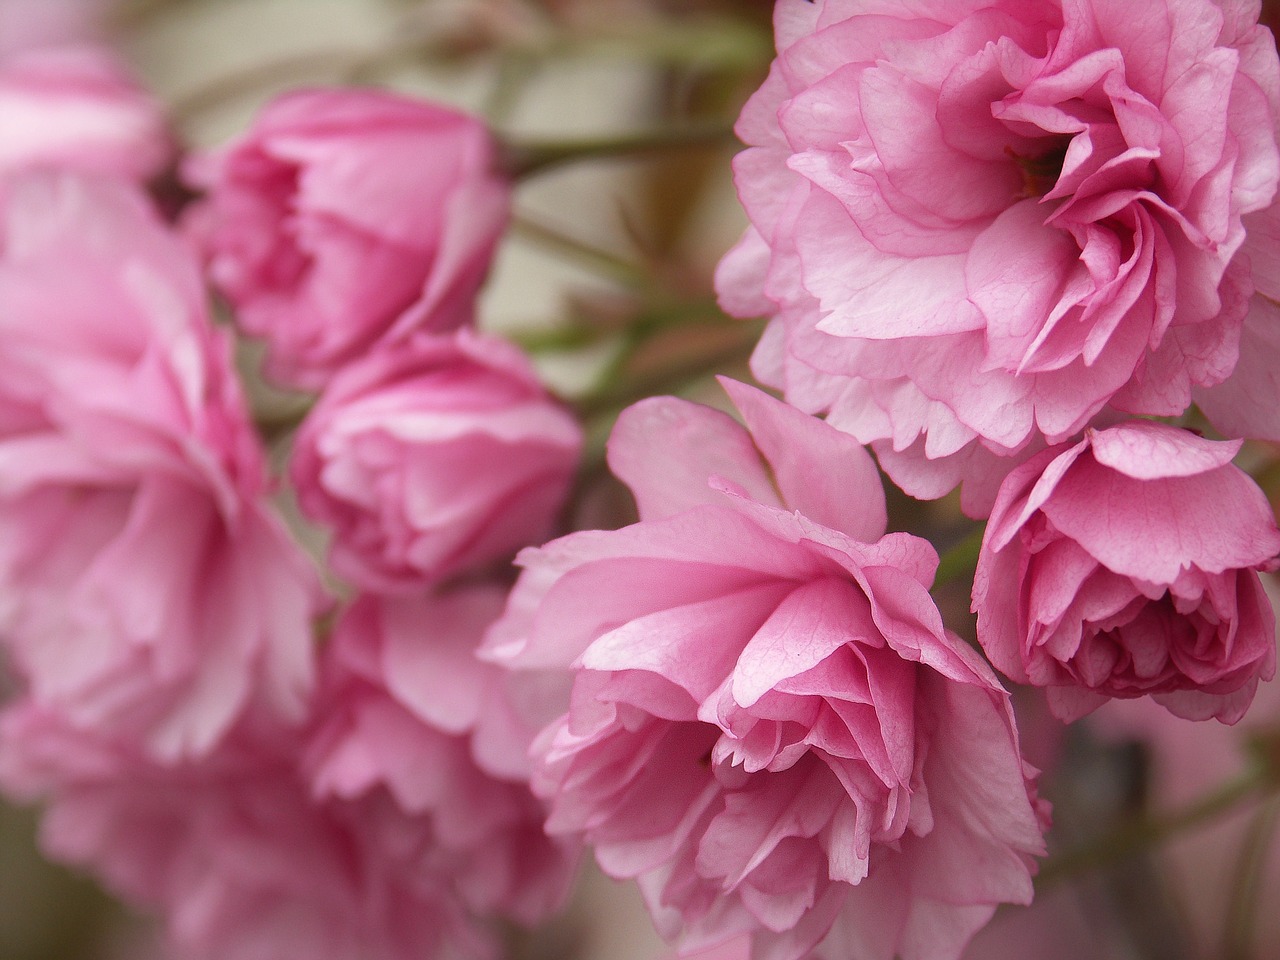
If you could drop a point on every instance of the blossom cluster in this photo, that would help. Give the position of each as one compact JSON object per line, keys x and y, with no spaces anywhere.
{"x":197,"y":747}
{"x":275,"y":677}
{"x":990,"y":235}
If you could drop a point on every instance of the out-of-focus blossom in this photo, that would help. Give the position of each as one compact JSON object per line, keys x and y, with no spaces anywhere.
{"x":739,"y":948}
{"x":402,"y":695}
{"x":440,"y":456}
{"x":1126,"y":565}
{"x":28,"y":24}
{"x":145,"y":588}
{"x":347,"y":217}
{"x":770,"y":729}
{"x":977,"y":225}
{"x":231,"y":849}
{"x":75,"y":108}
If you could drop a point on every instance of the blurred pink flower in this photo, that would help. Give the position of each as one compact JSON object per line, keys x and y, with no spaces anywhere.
{"x":739,"y":948}
{"x":1124,"y":566}
{"x":348,"y":217}
{"x":978,"y":224}
{"x":75,"y":108}
{"x":145,"y":588}
{"x":231,"y":850}
{"x":433,"y":459}
{"x":402,"y":695}
{"x":27,"y":24}
{"x":770,"y":728}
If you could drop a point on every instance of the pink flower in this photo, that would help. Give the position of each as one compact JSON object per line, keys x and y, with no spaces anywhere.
{"x":402,"y":698}
{"x":231,"y":850}
{"x":978,"y":225}
{"x":75,"y":108}
{"x":145,"y":587}
{"x":1245,"y":404}
{"x":1125,"y":565}
{"x":770,"y":728}
{"x":348,"y":217}
{"x":441,"y":456}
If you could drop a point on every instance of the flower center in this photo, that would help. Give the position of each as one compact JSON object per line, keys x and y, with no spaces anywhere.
{"x":1040,"y":172}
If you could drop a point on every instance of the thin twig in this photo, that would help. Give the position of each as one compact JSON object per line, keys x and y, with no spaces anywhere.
{"x":601,"y":261}
{"x":528,"y":159}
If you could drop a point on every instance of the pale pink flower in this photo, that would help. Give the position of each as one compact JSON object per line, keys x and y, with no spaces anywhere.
{"x":347,"y":217}
{"x":145,"y":587}
{"x":402,"y":696}
{"x":230,"y":849}
{"x":1126,"y":565}
{"x":441,"y":456}
{"x":770,"y":728}
{"x":77,"y":109}
{"x":977,"y":225}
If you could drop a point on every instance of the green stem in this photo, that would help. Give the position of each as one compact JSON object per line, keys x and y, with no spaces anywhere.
{"x":672,"y":379}
{"x":273,"y":426}
{"x":707,"y":43}
{"x":962,"y":558}
{"x":556,"y":339}
{"x":1246,"y":884}
{"x":528,"y":159}
{"x":632,"y":335}
{"x":1136,"y":835}
{"x":602,"y":261}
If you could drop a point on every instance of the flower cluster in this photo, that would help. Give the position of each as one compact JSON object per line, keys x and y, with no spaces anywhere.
{"x":988,"y":233}
{"x":197,"y":748}
{"x":274,"y":675}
